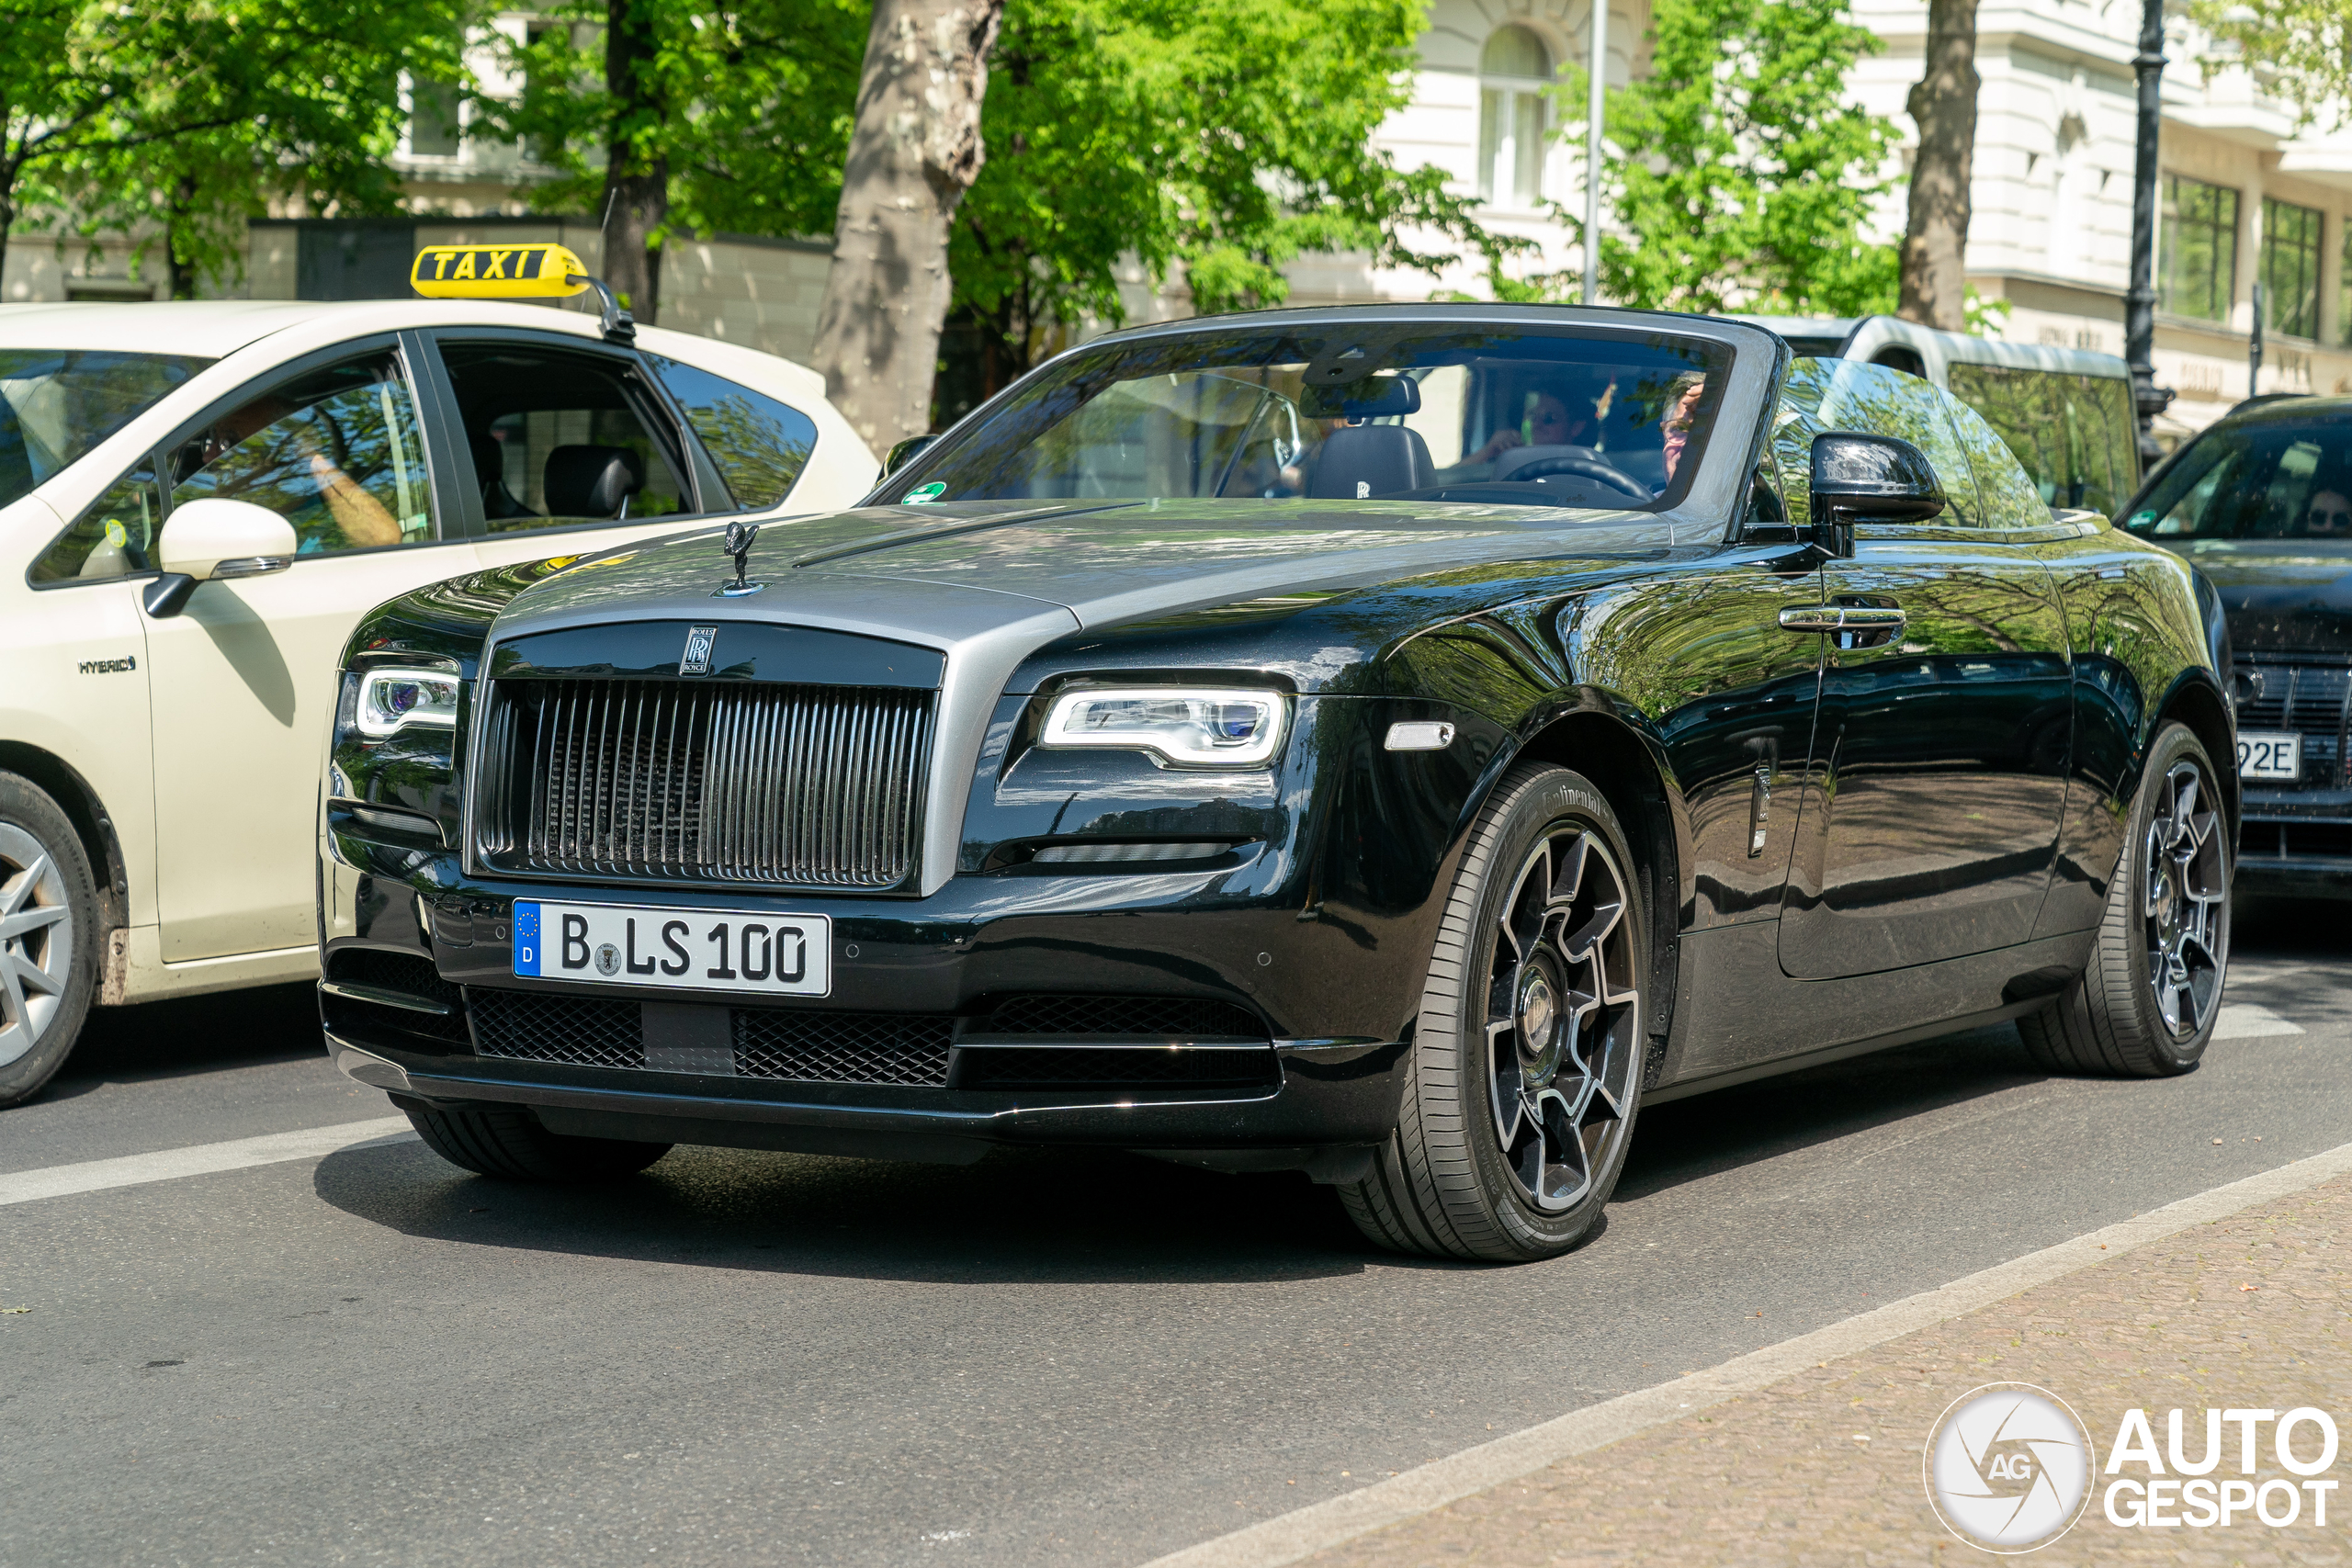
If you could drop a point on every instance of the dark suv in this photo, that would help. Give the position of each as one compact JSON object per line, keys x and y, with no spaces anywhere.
{"x":2262,"y":503}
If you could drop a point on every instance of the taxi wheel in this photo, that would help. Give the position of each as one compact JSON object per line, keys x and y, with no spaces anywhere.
{"x":48,"y":937}
{"x":511,"y":1146}
{"x":1527,"y":1058}
{"x":2145,"y":1005}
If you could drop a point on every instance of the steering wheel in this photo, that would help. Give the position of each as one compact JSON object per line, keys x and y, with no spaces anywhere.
{"x":1595,"y":469}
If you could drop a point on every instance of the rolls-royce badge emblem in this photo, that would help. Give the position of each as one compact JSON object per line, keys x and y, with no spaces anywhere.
{"x":697,"y":656}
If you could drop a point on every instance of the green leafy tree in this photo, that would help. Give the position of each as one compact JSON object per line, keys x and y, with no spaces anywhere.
{"x":1223,"y":138}
{"x":1740,"y":173}
{"x":2307,"y":44}
{"x":678,"y":116}
{"x":187,"y":114}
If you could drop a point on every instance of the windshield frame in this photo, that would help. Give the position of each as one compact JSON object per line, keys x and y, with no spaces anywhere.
{"x":1711,"y":491}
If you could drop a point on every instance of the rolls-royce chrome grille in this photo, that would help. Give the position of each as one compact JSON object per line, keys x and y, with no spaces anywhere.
{"x":671,"y":781}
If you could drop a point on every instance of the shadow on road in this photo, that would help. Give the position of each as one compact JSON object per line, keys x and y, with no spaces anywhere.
{"x":154,"y":1041}
{"x":1078,"y":1215}
{"x":1019,"y":1214}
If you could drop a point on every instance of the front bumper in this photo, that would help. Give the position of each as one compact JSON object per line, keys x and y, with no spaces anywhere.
{"x":1335,"y":989}
{"x":2296,"y":844}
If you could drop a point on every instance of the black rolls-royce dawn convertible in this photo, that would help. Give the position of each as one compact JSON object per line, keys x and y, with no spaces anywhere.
{"x":1394,"y":744}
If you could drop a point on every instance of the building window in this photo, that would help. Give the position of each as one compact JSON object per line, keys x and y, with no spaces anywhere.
{"x":1514,"y":72}
{"x":2289,"y":268}
{"x":2198,"y":250}
{"x":433,"y":119}
{"x":2344,"y":286}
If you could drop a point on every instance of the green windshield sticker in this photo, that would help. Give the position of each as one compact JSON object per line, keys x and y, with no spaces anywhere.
{"x":922,"y":494}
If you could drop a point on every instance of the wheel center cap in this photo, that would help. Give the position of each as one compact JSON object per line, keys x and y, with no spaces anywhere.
{"x":1539,"y":1024}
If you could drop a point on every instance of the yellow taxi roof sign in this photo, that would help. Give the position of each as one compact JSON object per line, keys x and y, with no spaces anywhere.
{"x":497,"y":272}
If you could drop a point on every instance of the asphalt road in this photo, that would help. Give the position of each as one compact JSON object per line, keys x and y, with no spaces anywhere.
{"x":1041,"y":1359}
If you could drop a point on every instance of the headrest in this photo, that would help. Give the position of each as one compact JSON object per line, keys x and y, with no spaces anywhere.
{"x":489,"y":458}
{"x":1359,"y":461}
{"x":591,"y":481}
{"x":1374,"y":397}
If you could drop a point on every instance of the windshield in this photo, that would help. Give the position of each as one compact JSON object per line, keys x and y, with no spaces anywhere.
{"x":2273,"y":481}
{"x":55,"y":404}
{"x":1509,"y":416}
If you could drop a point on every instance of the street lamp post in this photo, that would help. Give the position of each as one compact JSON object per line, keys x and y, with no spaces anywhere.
{"x":2140,"y":303}
{"x":1597,"y":56}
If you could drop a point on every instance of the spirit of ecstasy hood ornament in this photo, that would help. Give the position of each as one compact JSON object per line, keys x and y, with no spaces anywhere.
{"x":740,"y":538}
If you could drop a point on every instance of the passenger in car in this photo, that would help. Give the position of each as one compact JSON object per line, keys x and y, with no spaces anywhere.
{"x":1681,"y":417}
{"x":2329,"y":515}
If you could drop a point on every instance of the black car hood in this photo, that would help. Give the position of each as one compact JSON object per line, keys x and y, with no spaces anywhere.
{"x":2281,"y":595}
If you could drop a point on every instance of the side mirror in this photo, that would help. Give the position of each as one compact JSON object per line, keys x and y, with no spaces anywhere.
{"x":222,"y":538}
{"x":905,"y":451}
{"x":213,"y":540}
{"x":1859,"y":478}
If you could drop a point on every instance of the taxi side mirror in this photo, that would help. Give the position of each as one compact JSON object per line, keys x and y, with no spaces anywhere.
{"x":214,"y":540}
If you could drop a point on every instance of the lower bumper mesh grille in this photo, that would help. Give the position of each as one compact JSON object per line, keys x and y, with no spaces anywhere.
{"x":843,"y":1047}
{"x":912,"y":1049}
{"x":582,"y":1030}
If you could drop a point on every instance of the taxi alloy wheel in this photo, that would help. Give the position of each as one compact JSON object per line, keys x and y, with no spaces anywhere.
{"x":48,"y":929}
{"x":2146,"y":1003}
{"x":1527,"y":1055}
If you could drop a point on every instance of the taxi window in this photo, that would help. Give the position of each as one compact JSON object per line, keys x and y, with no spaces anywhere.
{"x":335,"y":452}
{"x":111,"y":539}
{"x":758,"y":445}
{"x":1843,"y":394}
{"x":559,"y":437}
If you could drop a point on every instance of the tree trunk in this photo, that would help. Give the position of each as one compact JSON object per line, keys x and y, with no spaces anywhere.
{"x":1943,"y":104}
{"x":637,"y":187}
{"x":177,"y":273}
{"x":913,"y":151}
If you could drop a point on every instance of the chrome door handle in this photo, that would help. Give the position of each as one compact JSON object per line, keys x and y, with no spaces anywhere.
{"x":1840,"y":618}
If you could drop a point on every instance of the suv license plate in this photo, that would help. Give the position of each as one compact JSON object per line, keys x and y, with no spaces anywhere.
{"x":2271,"y":754}
{"x":744,"y":951}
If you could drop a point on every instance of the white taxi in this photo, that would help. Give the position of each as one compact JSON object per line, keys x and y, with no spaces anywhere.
{"x":198,"y":502}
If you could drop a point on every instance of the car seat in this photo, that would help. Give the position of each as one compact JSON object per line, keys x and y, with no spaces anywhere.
{"x":591,"y":481}
{"x":1356,"y":462}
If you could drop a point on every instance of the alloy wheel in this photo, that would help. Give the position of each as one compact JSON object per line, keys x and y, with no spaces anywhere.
{"x":1563,"y":1017}
{"x":36,"y":941}
{"x":2188,"y":879}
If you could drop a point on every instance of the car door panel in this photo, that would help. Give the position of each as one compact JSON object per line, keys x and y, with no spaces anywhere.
{"x":245,"y":677}
{"x":1938,"y":779}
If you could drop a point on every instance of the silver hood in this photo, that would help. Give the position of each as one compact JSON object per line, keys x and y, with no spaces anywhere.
{"x":990,"y":583}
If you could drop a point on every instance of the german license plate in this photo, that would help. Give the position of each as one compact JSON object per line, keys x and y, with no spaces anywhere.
{"x":686,"y":950}
{"x":2271,"y":754}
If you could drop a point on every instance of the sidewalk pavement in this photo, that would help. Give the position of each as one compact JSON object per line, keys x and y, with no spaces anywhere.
{"x":2248,"y":1311}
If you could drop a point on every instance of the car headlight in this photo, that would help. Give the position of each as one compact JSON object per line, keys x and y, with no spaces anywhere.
{"x":393,"y":700}
{"x":1193,"y":728}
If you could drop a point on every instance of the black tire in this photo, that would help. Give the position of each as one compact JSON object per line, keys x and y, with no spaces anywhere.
{"x":2168,"y":914}
{"x":49,"y":938}
{"x":1470,"y":1171}
{"x":511,"y":1146}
